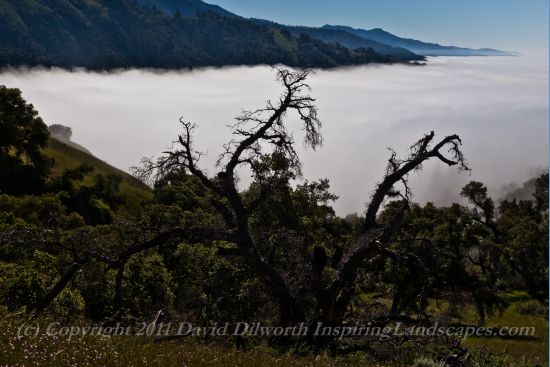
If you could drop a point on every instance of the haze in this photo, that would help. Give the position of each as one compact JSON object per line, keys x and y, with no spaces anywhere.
{"x":498,"y":106}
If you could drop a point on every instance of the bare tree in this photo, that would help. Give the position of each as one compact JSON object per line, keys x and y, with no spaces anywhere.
{"x":261,"y":142}
{"x":261,"y":136}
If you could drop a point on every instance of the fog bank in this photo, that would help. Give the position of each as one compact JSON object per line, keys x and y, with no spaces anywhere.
{"x":498,"y":106}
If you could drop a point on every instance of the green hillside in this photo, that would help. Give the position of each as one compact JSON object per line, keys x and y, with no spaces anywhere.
{"x":68,"y":157}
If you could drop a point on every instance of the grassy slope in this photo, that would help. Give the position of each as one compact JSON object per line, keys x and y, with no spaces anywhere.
{"x":68,"y":157}
{"x":512,"y":351}
{"x":515,"y":351}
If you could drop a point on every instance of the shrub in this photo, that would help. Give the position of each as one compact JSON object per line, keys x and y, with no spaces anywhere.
{"x":147,"y":285}
{"x":69,"y":303}
{"x":18,"y":286}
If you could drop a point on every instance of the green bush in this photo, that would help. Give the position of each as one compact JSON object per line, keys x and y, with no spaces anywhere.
{"x":18,"y":286}
{"x":147,"y":285}
{"x":69,"y":304}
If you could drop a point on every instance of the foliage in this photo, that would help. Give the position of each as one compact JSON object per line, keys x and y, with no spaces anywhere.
{"x":93,"y":202}
{"x":524,"y":228}
{"x":45,"y":211}
{"x":19,"y":286}
{"x":69,"y":304}
{"x":147,"y":286}
{"x":23,"y":166}
{"x":60,"y":131}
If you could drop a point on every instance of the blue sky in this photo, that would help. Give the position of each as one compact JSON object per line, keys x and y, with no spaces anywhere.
{"x":505,"y":24}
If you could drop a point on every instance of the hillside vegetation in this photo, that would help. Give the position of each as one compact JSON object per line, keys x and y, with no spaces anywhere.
{"x":67,"y":157}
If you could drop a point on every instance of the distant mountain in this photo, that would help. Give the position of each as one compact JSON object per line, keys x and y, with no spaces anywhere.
{"x":418,"y":47}
{"x":344,"y":38}
{"x":107,"y":34}
{"x":351,"y":41}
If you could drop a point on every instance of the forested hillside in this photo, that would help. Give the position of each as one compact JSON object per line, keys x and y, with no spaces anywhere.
{"x":101,"y":34}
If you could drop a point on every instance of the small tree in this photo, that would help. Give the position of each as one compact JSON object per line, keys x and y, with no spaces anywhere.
{"x":60,"y":131}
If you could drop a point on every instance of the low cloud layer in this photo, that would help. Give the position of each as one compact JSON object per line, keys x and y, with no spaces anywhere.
{"x":498,"y":106}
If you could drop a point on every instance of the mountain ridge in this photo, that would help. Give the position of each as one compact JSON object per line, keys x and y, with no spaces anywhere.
{"x":343,"y":38}
{"x":416,"y":46}
{"x":378,"y":39}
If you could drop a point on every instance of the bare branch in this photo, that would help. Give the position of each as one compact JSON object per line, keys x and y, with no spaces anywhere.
{"x":399,"y":169}
{"x":266,"y":125}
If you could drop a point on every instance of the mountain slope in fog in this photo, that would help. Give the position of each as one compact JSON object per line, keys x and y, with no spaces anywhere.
{"x":419,"y":47}
{"x":346,"y":39}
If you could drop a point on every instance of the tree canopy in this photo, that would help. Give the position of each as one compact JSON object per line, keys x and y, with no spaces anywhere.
{"x":23,"y":166}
